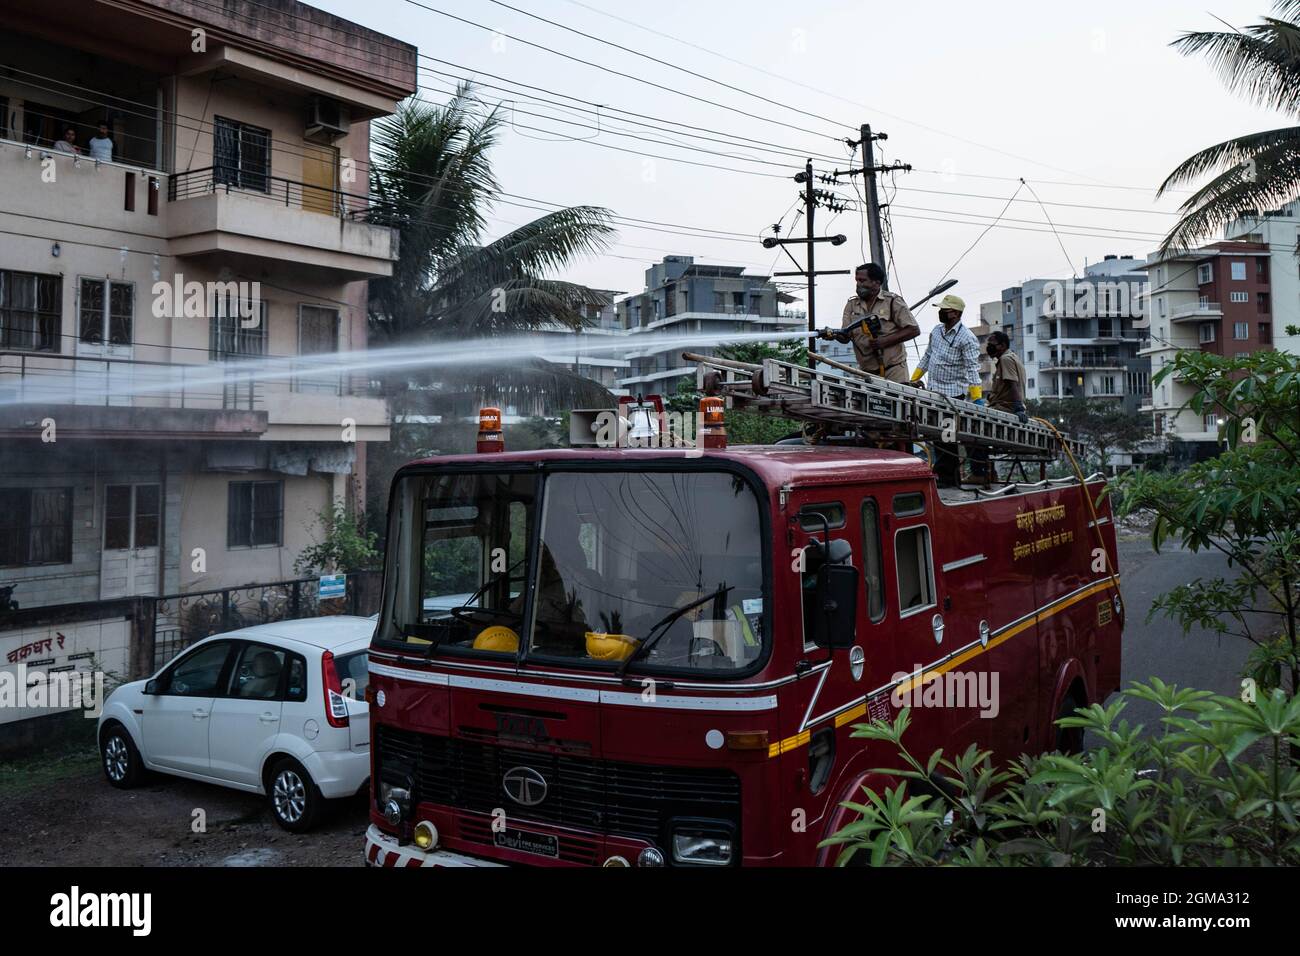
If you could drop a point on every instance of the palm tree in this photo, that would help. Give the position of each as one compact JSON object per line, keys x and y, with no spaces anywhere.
{"x":1253,"y":172}
{"x":432,"y":180}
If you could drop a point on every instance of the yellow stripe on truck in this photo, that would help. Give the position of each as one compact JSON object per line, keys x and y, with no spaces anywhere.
{"x":860,"y":710}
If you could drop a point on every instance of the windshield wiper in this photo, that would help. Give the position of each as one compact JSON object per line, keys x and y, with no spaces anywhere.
{"x":660,"y":627}
{"x":433,"y":644}
{"x":491,"y":581}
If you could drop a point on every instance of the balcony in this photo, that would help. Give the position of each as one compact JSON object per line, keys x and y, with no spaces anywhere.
{"x":1196,"y":311}
{"x":129,"y":398}
{"x":1064,"y":365}
{"x":210,"y":214}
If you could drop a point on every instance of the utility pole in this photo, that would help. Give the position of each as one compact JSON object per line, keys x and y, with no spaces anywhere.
{"x":869,"y":170}
{"x":811,"y":199}
{"x":873,"y":199}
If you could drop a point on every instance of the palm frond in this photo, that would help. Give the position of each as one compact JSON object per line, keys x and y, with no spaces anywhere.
{"x":1261,"y":62}
{"x":1252,"y":173}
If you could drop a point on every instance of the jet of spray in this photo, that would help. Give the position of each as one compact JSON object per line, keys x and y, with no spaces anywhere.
{"x":162,"y":379}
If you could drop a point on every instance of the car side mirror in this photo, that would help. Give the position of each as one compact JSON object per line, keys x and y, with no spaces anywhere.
{"x":837,"y":598}
{"x":151,"y":688}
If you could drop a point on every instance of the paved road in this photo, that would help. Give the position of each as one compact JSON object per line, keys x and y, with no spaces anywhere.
{"x":1200,"y":659}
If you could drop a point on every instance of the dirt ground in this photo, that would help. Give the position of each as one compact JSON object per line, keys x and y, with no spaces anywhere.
{"x":58,"y":810}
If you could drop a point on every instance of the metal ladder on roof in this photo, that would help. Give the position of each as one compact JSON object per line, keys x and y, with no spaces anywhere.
{"x":872,"y":406}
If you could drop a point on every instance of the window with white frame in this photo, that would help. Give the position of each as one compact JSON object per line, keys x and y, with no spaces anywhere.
{"x":106,"y":312}
{"x":1239,"y":271}
{"x":1207,"y":331}
{"x":1204,"y":273}
{"x":1241,"y":330}
{"x":1239,"y":297}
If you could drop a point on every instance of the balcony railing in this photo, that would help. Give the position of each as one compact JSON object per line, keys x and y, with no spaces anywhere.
{"x":293,"y":193}
{"x":1100,"y":363}
{"x":1199,"y":308}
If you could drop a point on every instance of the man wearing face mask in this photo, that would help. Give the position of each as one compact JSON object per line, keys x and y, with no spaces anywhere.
{"x":1006,"y":393}
{"x":878,"y":342}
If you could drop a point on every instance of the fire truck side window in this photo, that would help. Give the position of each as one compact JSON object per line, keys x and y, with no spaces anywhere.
{"x":872,"y":568}
{"x":915,"y":573}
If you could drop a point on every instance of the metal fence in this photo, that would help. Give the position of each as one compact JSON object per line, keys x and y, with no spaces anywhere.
{"x":181,"y":619}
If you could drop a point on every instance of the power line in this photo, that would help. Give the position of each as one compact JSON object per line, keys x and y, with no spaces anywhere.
{"x":610,"y":70}
{"x":674,"y":66}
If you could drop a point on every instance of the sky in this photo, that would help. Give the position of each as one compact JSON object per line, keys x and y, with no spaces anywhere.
{"x":1088,"y":103}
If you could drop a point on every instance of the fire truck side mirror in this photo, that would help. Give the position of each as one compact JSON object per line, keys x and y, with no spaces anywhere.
{"x":837,"y":588}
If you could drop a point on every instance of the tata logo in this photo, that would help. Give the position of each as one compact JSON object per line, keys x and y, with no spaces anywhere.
{"x":524,"y":785}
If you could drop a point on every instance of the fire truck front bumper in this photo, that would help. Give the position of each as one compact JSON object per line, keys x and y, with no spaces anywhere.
{"x":383,"y":850}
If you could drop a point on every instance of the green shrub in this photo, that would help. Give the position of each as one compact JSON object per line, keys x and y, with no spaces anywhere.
{"x":1214,"y":786}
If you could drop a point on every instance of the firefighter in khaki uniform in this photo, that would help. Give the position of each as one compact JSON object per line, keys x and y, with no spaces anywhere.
{"x":877,"y":343}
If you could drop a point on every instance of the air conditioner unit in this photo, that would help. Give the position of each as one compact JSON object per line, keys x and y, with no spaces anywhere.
{"x":326,"y":118}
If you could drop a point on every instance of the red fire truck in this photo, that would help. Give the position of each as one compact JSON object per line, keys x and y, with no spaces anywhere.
{"x":656,"y":657}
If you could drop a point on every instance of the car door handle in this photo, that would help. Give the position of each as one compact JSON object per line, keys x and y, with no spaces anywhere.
{"x":268,"y":718}
{"x":200,"y":715}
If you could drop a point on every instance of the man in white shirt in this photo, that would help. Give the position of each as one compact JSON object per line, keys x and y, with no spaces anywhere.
{"x":101,"y":145}
{"x":952,"y":361}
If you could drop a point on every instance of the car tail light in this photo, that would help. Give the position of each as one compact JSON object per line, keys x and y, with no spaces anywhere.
{"x":336,"y":705}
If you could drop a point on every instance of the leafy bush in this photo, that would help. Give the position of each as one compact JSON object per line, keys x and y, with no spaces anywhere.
{"x":1214,"y":787}
{"x":346,"y":545}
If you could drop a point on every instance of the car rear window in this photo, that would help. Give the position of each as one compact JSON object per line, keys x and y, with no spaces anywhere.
{"x":356,"y":667}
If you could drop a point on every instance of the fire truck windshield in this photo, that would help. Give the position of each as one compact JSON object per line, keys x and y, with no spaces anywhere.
{"x":616,"y":554}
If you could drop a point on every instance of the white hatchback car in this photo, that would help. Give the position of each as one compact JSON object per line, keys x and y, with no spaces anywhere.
{"x":276,"y":709}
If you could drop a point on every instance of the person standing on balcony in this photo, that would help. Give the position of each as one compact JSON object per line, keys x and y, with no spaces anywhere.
{"x":69,"y":142}
{"x":101,"y":145}
{"x":878,"y":342}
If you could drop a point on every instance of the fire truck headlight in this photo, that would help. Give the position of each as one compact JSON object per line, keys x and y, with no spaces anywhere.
{"x":394,"y":802}
{"x":426,"y":835}
{"x":702,"y":843}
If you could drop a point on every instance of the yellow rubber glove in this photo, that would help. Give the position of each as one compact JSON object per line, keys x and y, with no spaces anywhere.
{"x":976,"y":393}
{"x":916,"y":375}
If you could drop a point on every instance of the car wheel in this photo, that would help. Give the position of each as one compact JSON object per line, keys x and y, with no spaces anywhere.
{"x":120,"y":759}
{"x":295,"y":801}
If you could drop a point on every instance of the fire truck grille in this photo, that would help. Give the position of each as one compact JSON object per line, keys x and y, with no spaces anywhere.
{"x":605,"y":796}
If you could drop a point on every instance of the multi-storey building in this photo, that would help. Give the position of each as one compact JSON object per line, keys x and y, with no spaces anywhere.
{"x":990,"y":321}
{"x":682,"y":298}
{"x":1079,"y":337}
{"x":1279,"y":229}
{"x":153,"y":442}
{"x":1215,"y":299}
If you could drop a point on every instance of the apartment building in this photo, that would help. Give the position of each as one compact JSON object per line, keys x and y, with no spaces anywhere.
{"x":1217,"y":299}
{"x":684,"y":298}
{"x":1080,"y":337}
{"x":162,"y":299}
{"x":990,"y":321}
{"x":1279,"y":229}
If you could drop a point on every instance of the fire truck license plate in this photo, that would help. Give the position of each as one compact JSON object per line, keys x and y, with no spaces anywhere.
{"x":542,"y":844}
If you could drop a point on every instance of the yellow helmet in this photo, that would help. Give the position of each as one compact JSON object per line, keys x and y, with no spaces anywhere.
{"x":497,"y":638}
{"x":610,"y":647}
